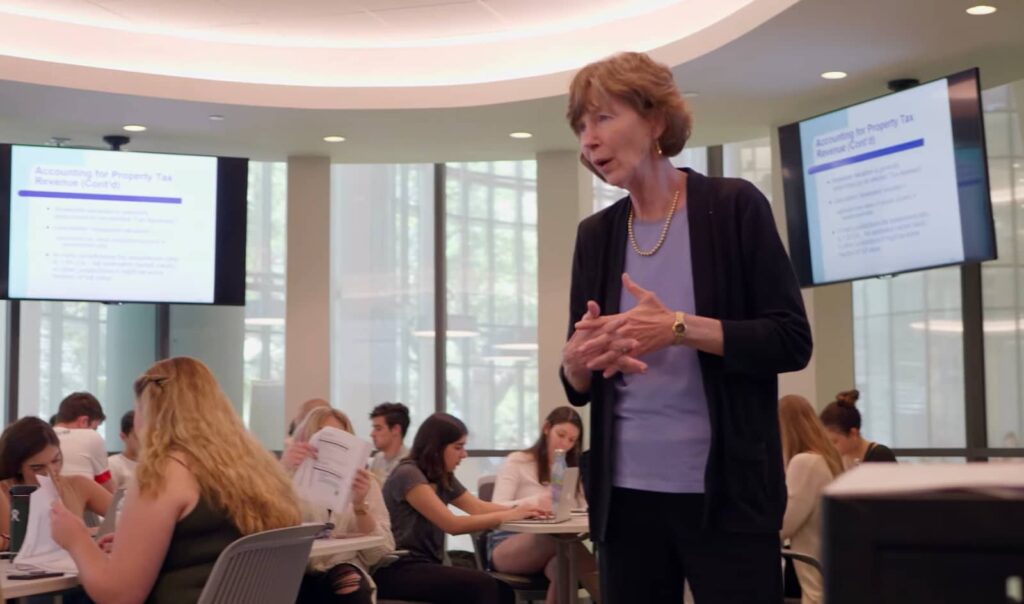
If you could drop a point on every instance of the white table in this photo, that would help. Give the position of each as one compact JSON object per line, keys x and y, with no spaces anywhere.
{"x":330,"y":547}
{"x":566,"y":535}
{"x":33,"y":587}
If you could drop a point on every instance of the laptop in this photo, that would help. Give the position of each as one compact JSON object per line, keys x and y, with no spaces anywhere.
{"x":110,"y":520}
{"x":566,"y":502}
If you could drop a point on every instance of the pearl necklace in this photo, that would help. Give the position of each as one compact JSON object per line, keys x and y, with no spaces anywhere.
{"x":664,"y":229}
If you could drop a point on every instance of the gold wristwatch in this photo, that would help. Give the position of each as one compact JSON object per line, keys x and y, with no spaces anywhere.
{"x":361,"y":509}
{"x":679,"y":328}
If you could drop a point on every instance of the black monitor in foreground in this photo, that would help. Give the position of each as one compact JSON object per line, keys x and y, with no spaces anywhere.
{"x":933,"y":548}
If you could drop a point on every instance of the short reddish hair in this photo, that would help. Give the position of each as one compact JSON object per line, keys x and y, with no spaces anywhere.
{"x":638,"y":81}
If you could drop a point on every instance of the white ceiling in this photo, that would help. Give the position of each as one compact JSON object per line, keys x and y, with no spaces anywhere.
{"x":355,"y":54}
{"x":764,"y":78}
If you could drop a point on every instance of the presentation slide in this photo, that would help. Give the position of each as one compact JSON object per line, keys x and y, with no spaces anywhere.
{"x":117,"y":226}
{"x":880,"y":186}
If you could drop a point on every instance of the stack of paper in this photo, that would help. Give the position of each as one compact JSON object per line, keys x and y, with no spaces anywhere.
{"x":327,"y":480}
{"x":1003,"y":480}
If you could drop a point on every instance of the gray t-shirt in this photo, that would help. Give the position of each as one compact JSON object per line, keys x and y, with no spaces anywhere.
{"x":412,"y":530}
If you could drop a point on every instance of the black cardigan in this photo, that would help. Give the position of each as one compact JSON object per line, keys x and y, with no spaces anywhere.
{"x":741,"y":276}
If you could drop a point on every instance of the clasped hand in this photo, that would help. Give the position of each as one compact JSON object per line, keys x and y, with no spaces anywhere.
{"x":614,"y":343}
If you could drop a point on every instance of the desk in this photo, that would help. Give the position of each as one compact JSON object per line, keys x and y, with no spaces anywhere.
{"x":330,"y":547}
{"x":20,"y":589}
{"x":33,"y":587}
{"x":566,"y":534}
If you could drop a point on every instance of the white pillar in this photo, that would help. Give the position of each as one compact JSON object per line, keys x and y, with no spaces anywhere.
{"x":307,"y":293}
{"x":564,"y":196}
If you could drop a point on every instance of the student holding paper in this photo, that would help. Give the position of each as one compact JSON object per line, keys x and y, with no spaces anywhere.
{"x":202,"y":482}
{"x":29,"y":448}
{"x":344,"y":577}
{"x":417,"y":494}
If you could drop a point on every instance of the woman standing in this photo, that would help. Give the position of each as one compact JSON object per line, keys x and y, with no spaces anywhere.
{"x":811,"y":463}
{"x":680,"y":356}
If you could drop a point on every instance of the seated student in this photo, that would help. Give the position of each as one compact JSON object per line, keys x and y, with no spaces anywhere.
{"x":122,"y":465}
{"x":202,"y":482}
{"x":811,"y":463}
{"x":345,"y":577}
{"x":417,"y":495}
{"x":842,"y":420}
{"x":524,"y":478}
{"x":28,"y":448}
{"x":304,"y":409}
{"x":85,"y":452}
{"x":390,"y":423}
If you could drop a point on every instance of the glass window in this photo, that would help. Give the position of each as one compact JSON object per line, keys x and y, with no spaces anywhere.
{"x":1003,"y":278}
{"x":265,"y":259}
{"x":63,"y":348}
{"x":750,"y":160}
{"x":382,"y":289}
{"x":491,"y":251}
{"x":908,"y":356}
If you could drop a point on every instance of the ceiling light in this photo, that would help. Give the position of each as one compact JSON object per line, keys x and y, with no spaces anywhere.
{"x":981,"y":9}
{"x":334,"y":139}
{"x":505,"y":358}
{"x":517,"y":346}
{"x":689,"y":94}
{"x":267,"y":321}
{"x":217,"y":118}
{"x":458,"y":326}
{"x":520,"y":135}
{"x":834,"y":75}
{"x":133,"y":128}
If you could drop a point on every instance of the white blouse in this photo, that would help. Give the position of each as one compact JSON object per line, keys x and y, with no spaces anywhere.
{"x":517,"y":482}
{"x":807,"y":475}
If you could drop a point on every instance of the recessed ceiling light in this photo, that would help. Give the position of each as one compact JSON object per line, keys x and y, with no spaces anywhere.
{"x":689,"y":94}
{"x":133,"y":128}
{"x":520,"y":135}
{"x":834,"y":75}
{"x":981,"y":9}
{"x":217,"y":118}
{"x":334,"y":139}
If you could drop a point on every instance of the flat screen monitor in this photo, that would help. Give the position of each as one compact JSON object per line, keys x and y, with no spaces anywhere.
{"x":891,"y":185}
{"x":118,"y":226}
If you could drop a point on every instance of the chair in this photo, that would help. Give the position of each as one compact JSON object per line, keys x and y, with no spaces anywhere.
{"x":262,"y":568}
{"x":794,"y":557}
{"x":526,"y":587}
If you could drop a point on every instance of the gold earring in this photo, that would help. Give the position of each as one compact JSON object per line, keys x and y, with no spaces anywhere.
{"x":657,"y":147}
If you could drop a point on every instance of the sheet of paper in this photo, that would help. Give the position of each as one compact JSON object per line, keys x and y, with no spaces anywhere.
{"x":39,"y":551}
{"x":893,"y":479}
{"x":327,"y":480}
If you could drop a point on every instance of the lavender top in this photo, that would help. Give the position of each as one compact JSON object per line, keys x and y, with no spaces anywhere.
{"x":662,"y":432}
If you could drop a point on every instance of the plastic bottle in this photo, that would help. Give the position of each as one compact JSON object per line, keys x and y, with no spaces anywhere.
{"x":557,"y":477}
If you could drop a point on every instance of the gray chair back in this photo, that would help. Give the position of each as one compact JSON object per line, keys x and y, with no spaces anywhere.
{"x":485,"y":487}
{"x":262,"y":568}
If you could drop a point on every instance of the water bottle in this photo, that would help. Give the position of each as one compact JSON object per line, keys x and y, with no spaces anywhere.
{"x":19,"y":513}
{"x":557,"y":477}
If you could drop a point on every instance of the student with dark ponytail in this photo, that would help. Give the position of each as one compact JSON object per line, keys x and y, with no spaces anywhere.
{"x":842,"y":421}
